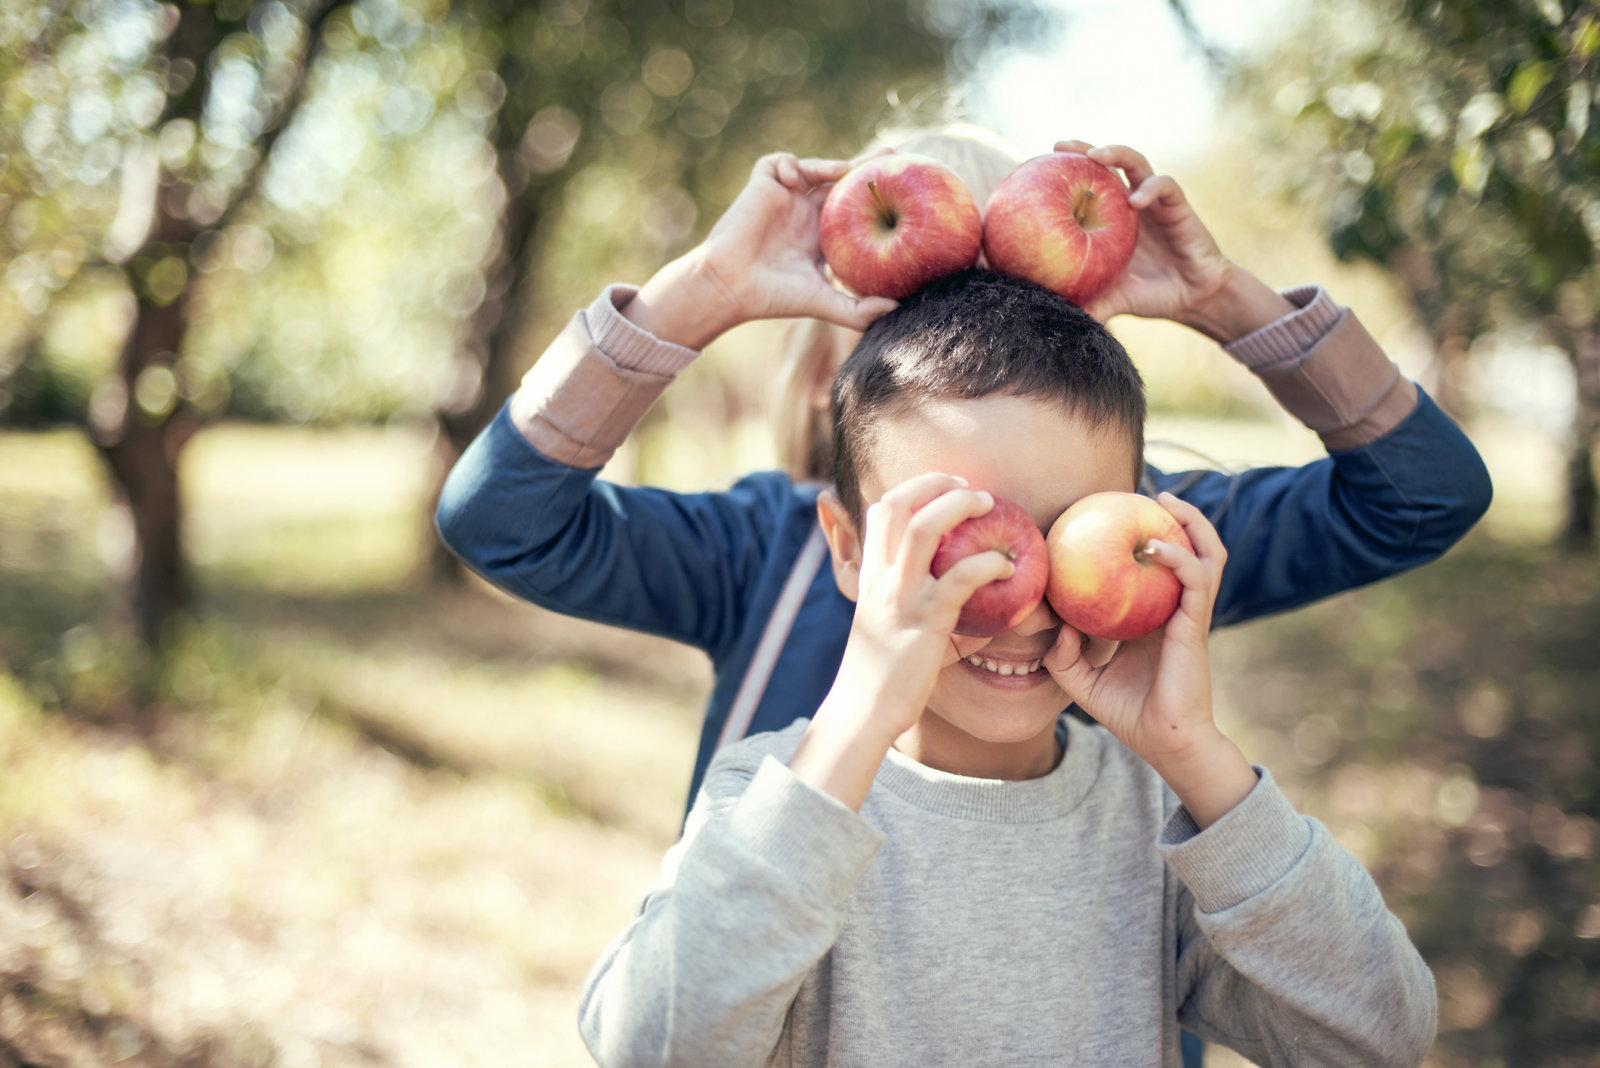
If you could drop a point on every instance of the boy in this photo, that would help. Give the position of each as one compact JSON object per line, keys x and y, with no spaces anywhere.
{"x":940,"y":868}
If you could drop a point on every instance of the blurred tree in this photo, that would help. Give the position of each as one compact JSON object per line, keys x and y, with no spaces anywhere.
{"x":183,"y":104}
{"x":1451,"y":142}
{"x":402,"y":165}
{"x":661,"y":108}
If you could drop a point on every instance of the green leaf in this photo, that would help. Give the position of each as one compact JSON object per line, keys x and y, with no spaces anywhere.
{"x":1526,"y":84}
{"x":1586,"y":39}
{"x":1541,"y":273}
{"x":1470,"y":165}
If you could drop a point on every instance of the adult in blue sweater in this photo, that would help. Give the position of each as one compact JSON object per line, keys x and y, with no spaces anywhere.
{"x":737,"y":572}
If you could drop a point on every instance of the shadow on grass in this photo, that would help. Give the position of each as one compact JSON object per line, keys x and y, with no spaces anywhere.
{"x":71,"y":647}
{"x":1450,"y":717}
{"x":464,"y":623}
{"x":45,"y":1022}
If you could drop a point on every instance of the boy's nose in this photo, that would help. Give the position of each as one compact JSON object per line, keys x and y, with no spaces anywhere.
{"x":1043,"y":617}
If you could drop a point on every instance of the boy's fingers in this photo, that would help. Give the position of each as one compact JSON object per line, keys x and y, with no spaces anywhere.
{"x":1199,"y":580}
{"x":1099,"y":651}
{"x":896,"y":508}
{"x":915,"y":493}
{"x":1131,"y":163}
{"x":970,"y":574}
{"x":877,"y":522}
{"x":1080,"y":147}
{"x":933,"y":520}
{"x":1069,"y":666}
{"x":1202,"y":535}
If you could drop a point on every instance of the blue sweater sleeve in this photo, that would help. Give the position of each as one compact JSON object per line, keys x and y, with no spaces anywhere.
{"x":1297,"y":534}
{"x":680,"y":565}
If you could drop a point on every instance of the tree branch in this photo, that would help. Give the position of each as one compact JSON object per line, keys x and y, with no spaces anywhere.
{"x":1221,"y":62}
{"x":286,"y":111}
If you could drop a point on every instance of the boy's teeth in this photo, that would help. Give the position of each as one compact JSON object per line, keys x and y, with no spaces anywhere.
{"x":1004,"y":668}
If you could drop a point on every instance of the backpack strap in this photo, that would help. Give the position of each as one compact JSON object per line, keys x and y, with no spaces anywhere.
{"x":779,"y":623}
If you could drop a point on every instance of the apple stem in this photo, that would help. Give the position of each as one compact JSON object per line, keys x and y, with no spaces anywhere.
{"x":884,"y":210}
{"x":1084,"y":210}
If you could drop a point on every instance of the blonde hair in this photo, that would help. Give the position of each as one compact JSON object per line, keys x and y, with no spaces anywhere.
{"x":805,"y":440}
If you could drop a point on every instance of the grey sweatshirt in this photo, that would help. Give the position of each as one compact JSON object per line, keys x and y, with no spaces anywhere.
{"x":1074,"y":919}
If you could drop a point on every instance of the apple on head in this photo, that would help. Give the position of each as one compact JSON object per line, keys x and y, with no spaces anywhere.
{"x":895,"y":223}
{"x":1062,"y":221}
{"x":1102,"y":582}
{"x":1001,"y":605}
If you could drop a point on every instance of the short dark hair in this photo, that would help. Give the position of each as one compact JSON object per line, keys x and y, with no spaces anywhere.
{"x":972,"y":334}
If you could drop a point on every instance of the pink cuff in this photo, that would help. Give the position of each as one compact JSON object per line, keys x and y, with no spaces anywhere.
{"x":1292,"y":337}
{"x":627,"y":345}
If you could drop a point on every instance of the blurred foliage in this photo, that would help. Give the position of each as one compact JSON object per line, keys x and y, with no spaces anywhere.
{"x":337,"y":210}
{"x":336,"y":280}
{"x":1456,"y":143}
{"x":1442,"y":723}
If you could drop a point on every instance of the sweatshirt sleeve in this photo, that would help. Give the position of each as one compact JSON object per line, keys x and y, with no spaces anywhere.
{"x":748,"y":901}
{"x":1401,"y":483}
{"x":1286,"y":951}
{"x":524,"y":506}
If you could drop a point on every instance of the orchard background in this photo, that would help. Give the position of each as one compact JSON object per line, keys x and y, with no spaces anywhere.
{"x":279,"y":785}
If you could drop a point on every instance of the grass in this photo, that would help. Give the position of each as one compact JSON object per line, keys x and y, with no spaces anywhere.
{"x":364,"y":823}
{"x":367,"y":822}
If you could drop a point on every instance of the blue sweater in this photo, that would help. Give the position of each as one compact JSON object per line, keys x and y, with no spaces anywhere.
{"x":707,"y":568}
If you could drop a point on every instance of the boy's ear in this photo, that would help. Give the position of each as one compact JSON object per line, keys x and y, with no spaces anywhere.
{"x":844,"y":543}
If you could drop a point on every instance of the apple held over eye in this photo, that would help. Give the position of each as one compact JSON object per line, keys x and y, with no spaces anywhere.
{"x":1062,"y":221}
{"x":1102,"y":582}
{"x":895,"y":223}
{"x":1001,"y":605}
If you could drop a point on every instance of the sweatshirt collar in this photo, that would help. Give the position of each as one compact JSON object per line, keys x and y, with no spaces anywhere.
{"x":1051,"y":796}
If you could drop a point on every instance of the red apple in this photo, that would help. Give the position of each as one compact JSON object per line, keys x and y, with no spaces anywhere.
{"x":1001,"y":605}
{"x":1062,"y":221}
{"x":895,"y":223}
{"x":1102,"y":582}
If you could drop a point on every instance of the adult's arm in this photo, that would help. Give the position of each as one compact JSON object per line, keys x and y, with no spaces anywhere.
{"x":1286,"y":952}
{"x":524,"y":507}
{"x":748,"y":901}
{"x":1400,"y":485}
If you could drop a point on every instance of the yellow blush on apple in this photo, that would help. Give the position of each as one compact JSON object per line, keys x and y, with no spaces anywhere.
{"x":1102,"y":582}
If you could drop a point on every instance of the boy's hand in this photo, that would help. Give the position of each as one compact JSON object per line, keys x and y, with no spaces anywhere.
{"x":1155,"y":694}
{"x":901,"y":635}
{"x":760,"y":261}
{"x":1177,"y":271}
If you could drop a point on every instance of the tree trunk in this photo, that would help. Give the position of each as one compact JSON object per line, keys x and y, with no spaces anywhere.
{"x":142,"y":448}
{"x":1583,"y":495}
{"x":487,"y":359}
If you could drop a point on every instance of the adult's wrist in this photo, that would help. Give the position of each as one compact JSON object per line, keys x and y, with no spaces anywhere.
{"x":687,"y":303}
{"x":1242,"y":305}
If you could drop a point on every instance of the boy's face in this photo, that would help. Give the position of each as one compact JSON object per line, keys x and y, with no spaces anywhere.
{"x":979,"y":721}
